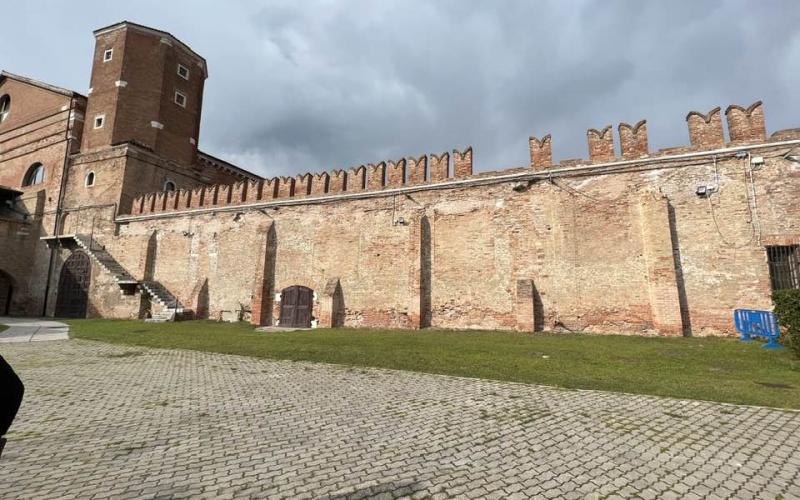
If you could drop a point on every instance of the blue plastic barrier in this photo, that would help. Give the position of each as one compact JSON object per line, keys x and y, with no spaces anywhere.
{"x":752,"y":323}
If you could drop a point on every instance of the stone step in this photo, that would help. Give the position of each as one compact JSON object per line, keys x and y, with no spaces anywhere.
{"x":153,"y":289}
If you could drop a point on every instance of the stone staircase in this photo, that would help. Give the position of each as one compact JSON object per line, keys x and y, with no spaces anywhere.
{"x":171,"y":308}
{"x":106,"y":261}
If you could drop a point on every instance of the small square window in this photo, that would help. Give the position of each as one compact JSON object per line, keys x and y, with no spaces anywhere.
{"x":180,"y":99}
{"x":108,"y":55}
{"x":183,"y":71}
{"x":99,"y":121}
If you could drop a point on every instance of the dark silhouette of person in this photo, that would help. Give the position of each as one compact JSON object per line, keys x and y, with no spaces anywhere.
{"x":11,"y":390}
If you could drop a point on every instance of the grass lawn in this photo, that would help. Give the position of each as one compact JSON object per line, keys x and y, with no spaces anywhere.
{"x":3,"y":327}
{"x":712,"y":369}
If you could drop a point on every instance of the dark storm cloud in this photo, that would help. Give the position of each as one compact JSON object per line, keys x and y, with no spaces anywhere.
{"x":299,"y":86}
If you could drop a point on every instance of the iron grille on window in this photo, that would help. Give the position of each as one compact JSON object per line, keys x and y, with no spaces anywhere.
{"x":784,"y":266}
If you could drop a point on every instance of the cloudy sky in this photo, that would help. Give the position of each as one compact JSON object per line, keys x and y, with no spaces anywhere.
{"x":299,"y":86}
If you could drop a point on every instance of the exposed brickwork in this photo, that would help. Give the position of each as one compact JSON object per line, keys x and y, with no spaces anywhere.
{"x":285,"y":187}
{"x":601,"y":144}
{"x":376,"y":176}
{"x":541,"y":152}
{"x":395,"y":173}
{"x":624,"y":247}
{"x":138,"y":87}
{"x":338,"y":181}
{"x":302,"y":185}
{"x":746,"y":124}
{"x":417,"y":170}
{"x":320,"y":184}
{"x":705,"y":130}
{"x":633,"y":140}
{"x":462,"y":163}
{"x":439,"y":166}
{"x":357,"y":179}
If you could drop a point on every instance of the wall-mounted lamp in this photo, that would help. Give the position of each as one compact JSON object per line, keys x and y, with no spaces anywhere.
{"x":705,"y":191}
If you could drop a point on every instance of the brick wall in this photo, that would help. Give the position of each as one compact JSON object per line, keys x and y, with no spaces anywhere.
{"x":631,"y":252}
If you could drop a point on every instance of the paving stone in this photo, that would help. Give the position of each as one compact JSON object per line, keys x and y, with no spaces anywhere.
{"x":102,"y":421}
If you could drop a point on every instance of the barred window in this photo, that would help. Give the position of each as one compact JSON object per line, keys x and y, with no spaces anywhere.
{"x":784,"y":266}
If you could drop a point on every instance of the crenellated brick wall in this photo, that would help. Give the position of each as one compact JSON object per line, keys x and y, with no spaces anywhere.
{"x":372,"y":177}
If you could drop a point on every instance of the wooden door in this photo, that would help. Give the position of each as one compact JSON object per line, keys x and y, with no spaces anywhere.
{"x":73,"y":286}
{"x":296,"y":307}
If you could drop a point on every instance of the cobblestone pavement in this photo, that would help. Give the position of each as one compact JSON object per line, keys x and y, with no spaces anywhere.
{"x":124,"y":422}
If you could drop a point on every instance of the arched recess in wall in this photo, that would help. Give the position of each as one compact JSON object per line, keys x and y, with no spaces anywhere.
{"x":169,"y":185}
{"x":425,"y":273}
{"x":7,"y":286}
{"x":264,"y":292}
{"x":73,"y":286}
{"x":148,"y":273}
{"x":67,"y":223}
{"x":150,"y":257}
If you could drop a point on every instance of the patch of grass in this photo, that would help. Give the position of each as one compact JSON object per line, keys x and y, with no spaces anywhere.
{"x":715,"y":369}
{"x":3,"y":327}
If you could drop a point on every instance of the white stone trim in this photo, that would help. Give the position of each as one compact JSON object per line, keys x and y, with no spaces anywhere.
{"x":158,"y":125}
{"x":121,"y":83}
{"x":178,"y":94}
{"x":188,"y":72}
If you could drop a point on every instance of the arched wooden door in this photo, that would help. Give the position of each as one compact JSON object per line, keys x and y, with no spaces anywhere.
{"x":6,"y":291}
{"x":296,"y":306}
{"x":73,"y":286}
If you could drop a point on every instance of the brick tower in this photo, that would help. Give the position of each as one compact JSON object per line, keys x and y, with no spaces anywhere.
{"x":146,"y":88}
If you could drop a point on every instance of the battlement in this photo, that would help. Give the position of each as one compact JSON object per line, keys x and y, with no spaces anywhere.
{"x":371,"y":177}
{"x":746,"y":126}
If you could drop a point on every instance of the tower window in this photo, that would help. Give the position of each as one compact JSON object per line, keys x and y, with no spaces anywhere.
{"x":180,"y":99}
{"x":5,"y":107}
{"x":169,"y":186}
{"x":108,"y":55}
{"x":183,"y":71}
{"x":35,"y":175}
{"x":89,"y":179}
{"x":99,"y":121}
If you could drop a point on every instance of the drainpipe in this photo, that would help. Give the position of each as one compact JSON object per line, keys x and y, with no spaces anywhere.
{"x":59,"y":204}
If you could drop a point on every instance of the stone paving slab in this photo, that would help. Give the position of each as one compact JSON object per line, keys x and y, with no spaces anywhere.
{"x":32,"y":330}
{"x":103,"y":421}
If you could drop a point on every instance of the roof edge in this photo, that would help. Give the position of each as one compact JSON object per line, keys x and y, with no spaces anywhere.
{"x":222,"y":164}
{"x":157,"y":32}
{"x":40,"y":84}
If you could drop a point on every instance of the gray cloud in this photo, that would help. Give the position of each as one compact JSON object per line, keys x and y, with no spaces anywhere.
{"x":313,"y":85}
